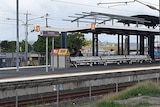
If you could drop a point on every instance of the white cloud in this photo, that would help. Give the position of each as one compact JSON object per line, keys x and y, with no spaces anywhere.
{"x":58,"y":11}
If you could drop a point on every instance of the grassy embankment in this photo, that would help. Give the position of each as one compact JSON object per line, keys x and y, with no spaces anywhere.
{"x":143,"y":89}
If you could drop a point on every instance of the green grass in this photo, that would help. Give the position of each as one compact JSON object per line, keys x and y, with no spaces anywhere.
{"x":142,"y":89}
{"x":114,"y":104}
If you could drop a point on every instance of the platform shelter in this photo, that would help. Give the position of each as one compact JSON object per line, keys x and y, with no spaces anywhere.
{"x":130,"y":25}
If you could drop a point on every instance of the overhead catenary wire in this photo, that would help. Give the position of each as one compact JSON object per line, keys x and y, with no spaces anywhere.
{"x":95,"y":6}
{"x":57,"y":17}
{"x":149,"y":3}
{"x":133,"y":1}
{"x":62,"y":1}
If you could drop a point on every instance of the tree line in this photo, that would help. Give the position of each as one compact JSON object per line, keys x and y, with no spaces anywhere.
{"x":75,"y":40}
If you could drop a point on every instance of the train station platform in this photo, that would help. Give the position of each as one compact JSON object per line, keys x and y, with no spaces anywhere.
{"x":41,"y":70}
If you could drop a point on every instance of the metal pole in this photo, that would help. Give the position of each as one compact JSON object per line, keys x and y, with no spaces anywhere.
{"x":138,"y":79}
{"x":122,"y":50}
{"x":137,"y":44}
{"x":16,"y":98}
{"x":46,"y":44}
{"x":57,"y":95}
{"x":118,"y":44}
{"x":157,"y":77}
{"x":17,"y":42}
{"x":90,"y":94}
{"x":93,"y":44}
{"x":46,"y":54}
{"x":26,"y":39}
{"x":117,"y":87}
{"x":159,"y":17}
{"x":53,"y":54}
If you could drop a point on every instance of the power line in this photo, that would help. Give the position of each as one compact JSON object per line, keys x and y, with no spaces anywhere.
{"x":75,"y":3}
{"x":9,"y":12}
{"x":133,"y":1}
{"x":149,"y":3}
{"x":95,"y":6}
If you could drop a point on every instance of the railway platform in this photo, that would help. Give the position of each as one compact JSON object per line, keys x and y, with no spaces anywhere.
{"x":41,"y":70}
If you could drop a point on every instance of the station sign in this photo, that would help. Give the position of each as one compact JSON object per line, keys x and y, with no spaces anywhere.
{"x":49,"y":33}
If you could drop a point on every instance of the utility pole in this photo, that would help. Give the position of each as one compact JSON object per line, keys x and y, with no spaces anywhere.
{"x":26,"y":39}
{"x":26,"y":24}
{"x":46,"y":19}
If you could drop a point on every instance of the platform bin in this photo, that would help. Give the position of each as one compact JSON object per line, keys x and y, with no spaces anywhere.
{"x":64,"y":58}
{"x":54,"y":58}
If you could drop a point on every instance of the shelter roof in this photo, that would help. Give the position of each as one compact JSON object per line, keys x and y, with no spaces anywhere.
{"x":122,"y":30}
{"x":100,"y":18}
{"x":153,"y":21}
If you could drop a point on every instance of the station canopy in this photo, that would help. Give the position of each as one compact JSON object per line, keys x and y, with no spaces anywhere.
{"x":101,"y":20}
{"x":153,"y":21}
{"x":105,"y":23}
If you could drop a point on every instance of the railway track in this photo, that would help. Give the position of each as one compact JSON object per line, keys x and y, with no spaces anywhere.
{"x":64,"y":96}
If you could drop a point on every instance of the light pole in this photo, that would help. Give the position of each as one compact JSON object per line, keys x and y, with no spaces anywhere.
{"x":17,"y":42}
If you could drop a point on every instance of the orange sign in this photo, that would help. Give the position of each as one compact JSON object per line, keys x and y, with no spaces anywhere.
{"x":93,"y":26}
{"x":37,"y":28}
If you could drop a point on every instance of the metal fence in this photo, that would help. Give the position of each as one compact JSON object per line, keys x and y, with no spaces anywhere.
{"x":33,"y":59}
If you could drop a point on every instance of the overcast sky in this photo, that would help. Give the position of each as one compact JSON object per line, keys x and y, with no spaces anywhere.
{"x":58,"y":10}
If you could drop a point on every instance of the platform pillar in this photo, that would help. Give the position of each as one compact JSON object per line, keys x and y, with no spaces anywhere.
{"x":151,"y":45}
{"x":96,"y":42}
{"x":122,"y":45}
{"x":137,"y":50}
{"x":93,"y":44}
{"x":118,"y":45}
{"x":141,"y":44}
{"x":64,"y":40}
{"x":127,"y":46}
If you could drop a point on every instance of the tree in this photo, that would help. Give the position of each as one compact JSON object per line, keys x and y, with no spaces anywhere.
{"x":8,"y":46}
{"x":75,"y":40}
{"x":40,"y":44}
{"x":22,"y":46}
{"x":88,"y":42}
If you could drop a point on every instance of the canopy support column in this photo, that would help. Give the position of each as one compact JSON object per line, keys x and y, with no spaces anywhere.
{"x":122,"y":45}
{"x":96,"y":41}
{"x":141,"y":44}
{"x":93,"y":44}
{"x":118,"y":45}
{"x":64,"y":40}
{"x":151,"y":45}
